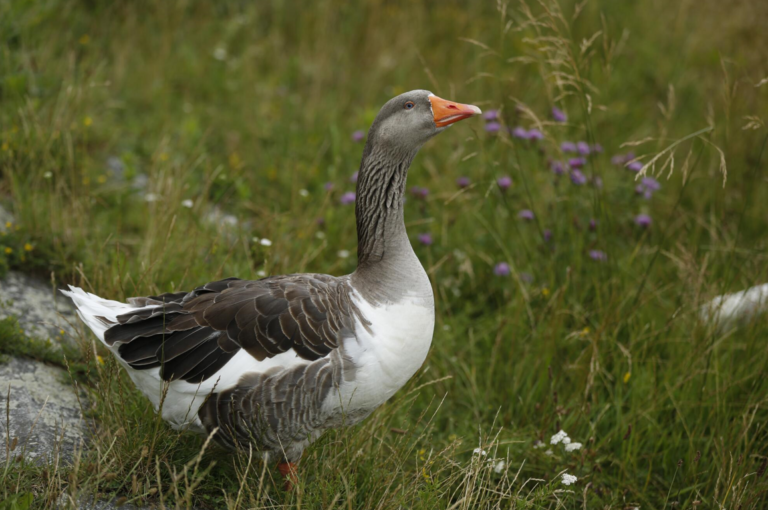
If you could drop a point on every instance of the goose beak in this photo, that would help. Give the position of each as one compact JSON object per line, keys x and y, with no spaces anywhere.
{"x":447,"y":112}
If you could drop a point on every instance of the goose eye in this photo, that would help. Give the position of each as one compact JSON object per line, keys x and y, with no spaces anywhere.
{"x":409,"y":105}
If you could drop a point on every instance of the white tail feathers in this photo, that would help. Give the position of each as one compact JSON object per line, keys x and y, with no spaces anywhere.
{"x":97,"y":313}
{"x":728,"y":309}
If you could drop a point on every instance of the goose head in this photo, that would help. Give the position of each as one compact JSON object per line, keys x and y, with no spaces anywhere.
{"x":408,"y":121}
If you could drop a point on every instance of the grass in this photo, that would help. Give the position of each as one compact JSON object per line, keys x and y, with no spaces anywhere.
{"x":240,"y":107}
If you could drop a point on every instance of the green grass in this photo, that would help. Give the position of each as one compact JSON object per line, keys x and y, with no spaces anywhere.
{"x":670,"y":410}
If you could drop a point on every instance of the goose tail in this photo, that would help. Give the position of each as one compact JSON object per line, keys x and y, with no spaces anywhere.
{"x":742,"y":306}
{"x":97,"y":313}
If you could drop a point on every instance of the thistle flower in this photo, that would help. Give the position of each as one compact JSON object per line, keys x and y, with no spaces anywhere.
{"x":520,"y":132}
{"x":328,"y":186}
{"x":559,"y":115}
{"x":578,"y":178}
{"x":557,"y":167}
{"x":492,"y":127}
{"x":357,"y":136}
{"x":504,"y":182}
{"x":643,"y":220}
{"x":462,"y":182}
{"x":501,"y":269}
{"x":425,"y":239}
{"x":592,"y":224}
{"x":353,"y":177}
{"x":577,"y":162}
{"x":348,"y":198}
{"x":597,"y":148}
{"x":598,"y":255}
{"x":535,"y":134}
{"x":526,"y":214}
{"x":647,"y":186}
{"x":568,"y":147}
{"x":491,"y":115}
{"x":582,"y":148}
{"x":635,"y":166}
{"x":547,"y":235}
{"x":419,"y":192}
{"x":568,"y":479}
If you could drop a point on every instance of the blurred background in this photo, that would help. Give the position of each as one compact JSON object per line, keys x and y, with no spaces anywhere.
{"x":616,"y":184}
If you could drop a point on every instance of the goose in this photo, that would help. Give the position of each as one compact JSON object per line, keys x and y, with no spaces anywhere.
{"x":273,"y":363}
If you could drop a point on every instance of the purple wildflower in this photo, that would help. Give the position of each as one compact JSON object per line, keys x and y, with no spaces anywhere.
{"x":598,"y":255}
{"x":577,"y":162}
{"x":597,"y":182}
{"x":592,"y":224}
{"x":643,"y":220}
{"x":521,"y":133}
{"x":597,"y":148}
{"x":462,"y":182}
{"x":353,"y":177}
{"x":582,"y":148}
{"x":358,"y":136}
{"x":320,"y":221}
{"x":557,"y":167}
{"x":419,"y":192}
{"x":535,"y":134}
{"x":559,"y":115}
{"x":328,"y":186}
{"x":639,"y":189}
{"x":651,"y":184}
{"x":568,"y":147}
{"x":492,"y":127}
{"x":348,"y":198}
{"x":425,"y":239}
{"x":618,"y":160}
{"x":635,"y":166}
{"x":491,"y":115}
{"x":526,"y":277}
{"x":501,"y":269}
{"x":577,"y":177}
{"x":504,"y":182}
{"x":525,"y":214}
{"x":547,"y":235}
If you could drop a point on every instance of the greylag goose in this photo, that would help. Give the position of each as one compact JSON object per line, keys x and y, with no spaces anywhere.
{"x":275,"y":362}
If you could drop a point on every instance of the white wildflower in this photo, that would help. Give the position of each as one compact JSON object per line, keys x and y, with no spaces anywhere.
{"x":499,"y":467}
{"x":566,"y":440}
{"x":220,"y":53}
{"x":572,"y":447}
{"x":559,"y":437}
{"x":265,"y":242}
{"x":151,"y":197}
{"x":549,"y":452}
{"x":48,"y":175}
{"x":343,"y":254}
{"x":187,"y":203}
{"x":539,"y":444}
{"x":320,"y":234}
{"x":303,"y":192}
{"x":480,"y":451}
{"x":261,"y":273}
{"x":568,"y":479}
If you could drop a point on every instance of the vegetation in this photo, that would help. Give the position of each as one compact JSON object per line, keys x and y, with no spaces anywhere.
{"x":152,"y":146}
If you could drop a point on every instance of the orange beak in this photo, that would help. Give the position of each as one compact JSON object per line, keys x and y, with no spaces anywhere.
{"x":448,"y":112}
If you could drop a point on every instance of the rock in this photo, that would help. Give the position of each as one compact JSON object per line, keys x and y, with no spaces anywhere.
{"x":40,"y":309}
{"x":44,"y":411}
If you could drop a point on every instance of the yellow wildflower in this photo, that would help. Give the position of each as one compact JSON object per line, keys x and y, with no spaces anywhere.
{"x":5,"y":146}
{"x":163,"y":156}
{"x":28,"y":247}
{"x":8,"y":224}
{"x":100,"y":360}
{"x":626,"y":377}
{"x":8,"y":250}
{"x":87,"y":121}
{"x":84,"y":39}
{"x":61,"y":332}
{"x":102,"y":179}
{"x":545,"y":292}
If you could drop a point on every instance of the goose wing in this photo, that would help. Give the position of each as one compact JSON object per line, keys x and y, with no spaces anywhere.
{"x":193,"y":335}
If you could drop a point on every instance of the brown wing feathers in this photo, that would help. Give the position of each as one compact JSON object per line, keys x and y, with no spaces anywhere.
{"x":193,"y":335}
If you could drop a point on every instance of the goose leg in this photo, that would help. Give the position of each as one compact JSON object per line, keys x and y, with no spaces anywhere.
{"x":289,"y":470}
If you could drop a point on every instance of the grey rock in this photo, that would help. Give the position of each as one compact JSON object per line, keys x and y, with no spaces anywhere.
{"x":42,"y":414}
{"x":40,"y":309}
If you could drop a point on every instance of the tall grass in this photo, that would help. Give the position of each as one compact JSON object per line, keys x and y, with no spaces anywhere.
{"x":241,"y":107}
